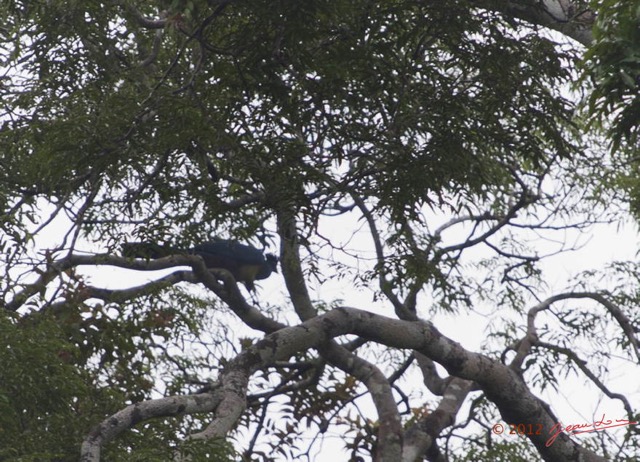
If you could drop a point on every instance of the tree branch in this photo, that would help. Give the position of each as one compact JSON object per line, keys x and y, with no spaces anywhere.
{"x":501,"y":385}
{"x":139,"y":412}
{"x":565,"y":16}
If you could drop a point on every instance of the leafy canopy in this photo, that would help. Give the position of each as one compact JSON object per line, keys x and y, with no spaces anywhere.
{"x":264,"y":121}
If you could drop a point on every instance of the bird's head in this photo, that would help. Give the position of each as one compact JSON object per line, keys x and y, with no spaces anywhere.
{"x":272,"y":262}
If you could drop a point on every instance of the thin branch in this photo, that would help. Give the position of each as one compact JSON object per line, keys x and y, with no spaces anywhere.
{"x":582,"y":365}
{"x":401,"y":310}
{"x":524,"y":200}
{"x":523,"y":347}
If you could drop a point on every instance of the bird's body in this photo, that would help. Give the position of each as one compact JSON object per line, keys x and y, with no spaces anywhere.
{"x":244,"y":262}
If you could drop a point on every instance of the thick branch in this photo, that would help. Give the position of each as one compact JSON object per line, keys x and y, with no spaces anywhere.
{"x":390,"y":431}
{"x":501,"y":385}
{"x":131,"y":415}
{"x":424,"y":432}
{"x":565,"y":16}
{"x":290,"y":264}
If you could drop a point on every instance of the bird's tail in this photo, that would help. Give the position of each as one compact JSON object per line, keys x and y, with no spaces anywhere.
{"x":149,"y":250}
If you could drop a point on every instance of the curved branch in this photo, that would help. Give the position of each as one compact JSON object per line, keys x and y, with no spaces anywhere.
{"x":434,"y":383}
{"x":139,"y":412}
{"x":523,"y":346}
{"x":501,"y":385}
{"x":402,"y":311}
{"x":582,"y":365}
{"x":143,"y":21}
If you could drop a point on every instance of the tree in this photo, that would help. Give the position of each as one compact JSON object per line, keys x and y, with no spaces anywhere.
{"x":614,"y":66}
{"x":404,"y":125}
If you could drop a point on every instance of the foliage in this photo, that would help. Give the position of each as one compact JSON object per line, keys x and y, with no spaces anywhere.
{"x":43,"y":391}
{"x":613,"y":63}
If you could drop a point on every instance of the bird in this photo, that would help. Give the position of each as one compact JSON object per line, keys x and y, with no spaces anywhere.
{"x":246,"y":263}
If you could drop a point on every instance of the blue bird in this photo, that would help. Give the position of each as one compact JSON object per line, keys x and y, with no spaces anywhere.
{"x":244,"y":262}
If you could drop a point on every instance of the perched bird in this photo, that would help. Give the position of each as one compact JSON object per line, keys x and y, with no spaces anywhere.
{"x":244,"y":262}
